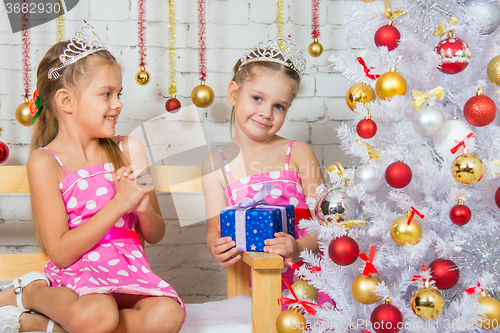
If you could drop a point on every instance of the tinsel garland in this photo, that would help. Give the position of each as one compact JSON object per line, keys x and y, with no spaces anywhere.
{"x":141,"y":25}
{"x":280,"y":19}
{"x":315,"y":19}
{"x":172,"y":87}
{"x":202,"y":49}
{"x":60,"y":24}
{"x":25,"y":37}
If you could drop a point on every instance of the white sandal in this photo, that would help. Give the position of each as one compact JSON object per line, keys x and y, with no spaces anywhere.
{"x":20,"y":283}
{"x":10,"y":317}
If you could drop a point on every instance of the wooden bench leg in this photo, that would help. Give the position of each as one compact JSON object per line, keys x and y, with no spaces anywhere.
{"x":266,"y":289}
{"x":237,"y":276}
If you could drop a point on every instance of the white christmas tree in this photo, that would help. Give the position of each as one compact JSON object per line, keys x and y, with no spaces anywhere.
{"x":420,"y":143}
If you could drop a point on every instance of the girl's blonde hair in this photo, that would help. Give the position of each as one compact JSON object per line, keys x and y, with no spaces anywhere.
{"x":248,"y":71}
{"x":46,"y":126}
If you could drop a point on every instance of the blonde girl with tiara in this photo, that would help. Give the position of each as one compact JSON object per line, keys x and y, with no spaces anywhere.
{"x":87,"y":214}
{"x":265,"y":82}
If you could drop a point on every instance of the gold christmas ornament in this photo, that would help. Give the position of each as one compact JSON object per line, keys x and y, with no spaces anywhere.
{"x":427,"y":303}
{"x":142,"y":77}
{"x":359,"y":93}
{"x":202,"y":95}
{"x":23,"y":113}
{"x":362,"y":289}
{"x":403,"y":234}
{"x":491,"y":307}
{"x":467,"y":169}
{"x":390,"y":84}
{"x":290,"y":321}
{"x":494,"y":70}
{"x":315,"y":49}
{"x":304,"y":291}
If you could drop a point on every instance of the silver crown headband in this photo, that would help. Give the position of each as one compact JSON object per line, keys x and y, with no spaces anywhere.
{"x":84,"y":42}
{"x":279,"y":51}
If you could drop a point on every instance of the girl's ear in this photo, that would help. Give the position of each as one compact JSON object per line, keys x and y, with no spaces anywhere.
{"x":232,"y":93}
{"x":65,"y":100}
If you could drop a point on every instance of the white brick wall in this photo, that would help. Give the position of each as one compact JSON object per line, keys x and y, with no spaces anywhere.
{"x":232,"y":27}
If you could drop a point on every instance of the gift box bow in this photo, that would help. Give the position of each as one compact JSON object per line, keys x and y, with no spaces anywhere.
{"x":248,"y":203}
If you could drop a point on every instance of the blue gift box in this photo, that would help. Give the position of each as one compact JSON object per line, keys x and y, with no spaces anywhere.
{"x":257,"y":224}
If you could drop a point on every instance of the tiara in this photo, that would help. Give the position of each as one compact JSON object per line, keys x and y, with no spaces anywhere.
{"x":84,"y":42}
{"x":282,"y":51}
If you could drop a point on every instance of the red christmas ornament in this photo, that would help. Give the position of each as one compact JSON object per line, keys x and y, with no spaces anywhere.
{"x":343,"y":250}
{"x":455,"y":55}
{"x":366,"y":128}
{"x":4,"y":152}
{"x":497,"y":197}
{"x":460,"y":214}
{"x":480,"y":110}
{"x":172,"y":105}
{"x":445,"y":273}
{"x":398,"y":175}
{"x":387,"y":35}
{"x":386,"y":318}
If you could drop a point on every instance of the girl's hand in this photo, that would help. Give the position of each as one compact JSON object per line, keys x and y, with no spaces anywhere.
{"x":285,"y":245}
{"x":128,"y":192}
{"x":145,"y":181}
{"x":224,"y":250}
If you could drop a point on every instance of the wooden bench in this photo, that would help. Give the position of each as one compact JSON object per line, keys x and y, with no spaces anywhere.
{"x":265,"y":268}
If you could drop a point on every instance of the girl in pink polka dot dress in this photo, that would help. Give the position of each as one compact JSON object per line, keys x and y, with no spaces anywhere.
{"x":90,"y":200}
{"x":264,"y":84}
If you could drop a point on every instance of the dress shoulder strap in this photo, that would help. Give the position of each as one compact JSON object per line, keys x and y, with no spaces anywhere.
{"x":288,"y":152}
{"x":120,"y":143}
{"x":57,"y":159}
{"x":226,"y":166}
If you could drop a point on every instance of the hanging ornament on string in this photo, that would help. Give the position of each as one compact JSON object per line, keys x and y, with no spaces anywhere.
{"x":460,"y":214}
{"x":142,"y":77}
{"x":302,"y":288}
{"x":407,"y":230}
{"x":330,"y":206}
{"x":23,"y":114}
{"x":172,"y":104}
{"x":454,"y":52}
{"x":428,"y":120}
{"x":366,"y":128}
{"x":427,"y":302}
{"x":387,"y":35}
{"x":398,"y":174}
{"x":493,"y":70}
{"x":480,"y":110}
{"x":386,"y":318}
{"x":315,"y":49}
{"x":390,"y":84}
{"x":4,"y":150}
{"x":364,"y":285}
{"x":291,"y":321}
{"x":445,"y":273}
{"x":344,"y":250}
{"x":467,"y":169}
{"x":490,"y":306}
{"x":202,"y":95}
{"x":487,"y":13}
{"x":370,"y":177}
{"x":361,"y":92}
{"x":60,"y":25}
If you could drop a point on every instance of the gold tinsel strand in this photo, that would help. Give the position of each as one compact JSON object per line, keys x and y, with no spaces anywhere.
{"x":172,"y":87}
{"x":60,"y":23}
{"x":280,"y":19}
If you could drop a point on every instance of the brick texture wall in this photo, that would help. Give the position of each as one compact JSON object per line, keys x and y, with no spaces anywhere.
{"x":232,"y":26}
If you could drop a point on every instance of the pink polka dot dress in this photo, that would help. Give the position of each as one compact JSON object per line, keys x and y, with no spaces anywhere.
{"x":288,"y":191}
{"x":118,"y":263}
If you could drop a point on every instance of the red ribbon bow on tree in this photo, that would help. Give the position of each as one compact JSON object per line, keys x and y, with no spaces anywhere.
{"x":461,"y":143}
{"x":418,"y":277}
{"x":296,"y":267}
{"x":412,"y":214}
{"x":367,"y":70}
{"x":471,"y":290}
{"x":369,"y":268}
{"x":305,"y":305}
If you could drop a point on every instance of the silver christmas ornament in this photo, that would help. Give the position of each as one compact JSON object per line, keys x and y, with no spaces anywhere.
{"x":330,"y":205}
{"x":428,"y":121}
{"x":485,"y":12}
{"x":370,"y":177}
